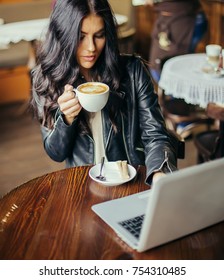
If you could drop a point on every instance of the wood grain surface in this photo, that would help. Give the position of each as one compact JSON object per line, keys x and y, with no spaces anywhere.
{"x":50,"y":217}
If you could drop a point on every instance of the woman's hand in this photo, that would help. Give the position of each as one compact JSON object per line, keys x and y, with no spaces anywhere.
{"x":157,"y":175}
{"x":69,"y":104}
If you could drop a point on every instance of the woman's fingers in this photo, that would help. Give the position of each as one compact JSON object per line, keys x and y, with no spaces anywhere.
{"x":72,"y":111}
{"x":66,"y":96}
{"x":68,"y":87}
{"x":69,"y":103}
{"x":66,"y":104}
{"x":71,"y":107}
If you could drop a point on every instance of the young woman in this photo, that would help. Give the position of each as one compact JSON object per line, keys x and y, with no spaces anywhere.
{"x":81,"y":45}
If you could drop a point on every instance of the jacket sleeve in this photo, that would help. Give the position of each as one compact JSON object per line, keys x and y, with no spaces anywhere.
{"x":159,"y":146}
{"x":58,"y":141}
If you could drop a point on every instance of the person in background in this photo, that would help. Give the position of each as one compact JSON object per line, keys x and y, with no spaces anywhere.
{"x":81,"y":45}
{"x":179,"y":27}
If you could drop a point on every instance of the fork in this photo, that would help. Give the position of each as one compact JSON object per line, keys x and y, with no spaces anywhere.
{"x":100,"y":176}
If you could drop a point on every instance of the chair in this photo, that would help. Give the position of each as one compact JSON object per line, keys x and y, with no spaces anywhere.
{"x":179,"y":144}
{"x":15,"y":61}
{"x":126,"y":40}
{"x":14,"y":72}
{"x":209,"y":144}
{"x":127,"y":31}
{"x":15,"y":55}
{"x":177,"y":112}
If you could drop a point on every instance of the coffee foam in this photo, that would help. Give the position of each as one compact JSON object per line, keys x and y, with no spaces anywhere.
{"x":92,"y":88}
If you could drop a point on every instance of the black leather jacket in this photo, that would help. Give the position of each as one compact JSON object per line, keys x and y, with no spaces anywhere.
{"x":142,"y":138}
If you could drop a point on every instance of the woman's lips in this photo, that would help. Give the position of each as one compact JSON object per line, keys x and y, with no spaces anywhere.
{"x":89,"y":58}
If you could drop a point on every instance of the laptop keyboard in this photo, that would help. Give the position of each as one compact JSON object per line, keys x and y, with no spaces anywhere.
{"x":133,"y":225}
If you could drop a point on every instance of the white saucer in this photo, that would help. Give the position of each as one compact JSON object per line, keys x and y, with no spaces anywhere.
{"x":112,"y":174}
{"x":210,"y":73}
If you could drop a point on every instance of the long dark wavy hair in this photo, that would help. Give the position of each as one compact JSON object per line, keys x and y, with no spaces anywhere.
{"x":56,"y":58}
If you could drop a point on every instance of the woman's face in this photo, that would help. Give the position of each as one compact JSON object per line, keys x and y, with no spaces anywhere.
{"x":92,"y":42}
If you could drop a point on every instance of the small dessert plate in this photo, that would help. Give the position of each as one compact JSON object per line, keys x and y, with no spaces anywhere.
{"x":112,"y":174}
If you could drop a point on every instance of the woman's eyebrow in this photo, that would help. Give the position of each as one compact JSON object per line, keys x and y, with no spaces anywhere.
{"x":99,"y":31}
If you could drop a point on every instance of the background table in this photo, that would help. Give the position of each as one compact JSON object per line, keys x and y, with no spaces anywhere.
{"x":182,"y":77}
{"x":28,"y":30}
{"x":31,"y":30}
{"x":50,"y":217}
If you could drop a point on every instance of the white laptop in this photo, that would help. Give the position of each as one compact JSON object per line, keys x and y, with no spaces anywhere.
{"x":178,"y":204}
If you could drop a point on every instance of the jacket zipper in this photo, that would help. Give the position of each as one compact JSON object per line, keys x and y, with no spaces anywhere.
{"x":139,"y":149}
{"x":166,"y":160}
{"x":92,"y":140}
{"x":125,"y":144}
{"x":108,"y":138}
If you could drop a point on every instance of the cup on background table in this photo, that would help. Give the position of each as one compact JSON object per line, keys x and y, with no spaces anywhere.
{"x":222,"y":59}
{"x":213,"y":53}
{"x":93,"y":96}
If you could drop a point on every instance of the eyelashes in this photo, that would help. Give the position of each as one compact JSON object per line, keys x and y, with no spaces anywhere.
{"x":100,"y":35}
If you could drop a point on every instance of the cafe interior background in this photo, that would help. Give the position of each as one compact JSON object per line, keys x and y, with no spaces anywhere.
{"x":22,"y":155}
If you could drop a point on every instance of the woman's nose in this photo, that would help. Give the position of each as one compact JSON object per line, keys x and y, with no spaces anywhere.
{"x":91,"y":45}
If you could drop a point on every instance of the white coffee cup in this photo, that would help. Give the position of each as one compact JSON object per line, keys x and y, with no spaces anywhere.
{"x":213,"y":52}
{"x":93,"y":96}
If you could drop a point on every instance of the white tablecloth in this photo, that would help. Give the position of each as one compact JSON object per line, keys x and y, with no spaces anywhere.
{"x":24,"y":30}
{"x":182,"y":77}
{"x":32,"y":30}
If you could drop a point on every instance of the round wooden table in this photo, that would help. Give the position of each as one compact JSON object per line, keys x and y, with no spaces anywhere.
{"x":50,"y":217}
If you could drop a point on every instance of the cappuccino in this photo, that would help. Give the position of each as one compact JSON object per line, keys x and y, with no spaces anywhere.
{"x":213,"y":54}
{"x":213,"y":60}
{"x":92,"y":88}
{"x":92,"y":96}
